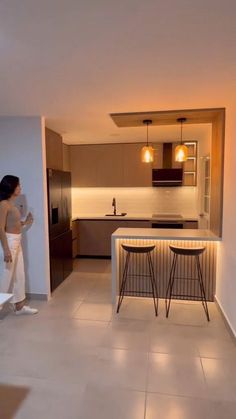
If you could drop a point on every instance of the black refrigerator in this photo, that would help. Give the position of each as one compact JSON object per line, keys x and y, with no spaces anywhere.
{"x":60,"y":234}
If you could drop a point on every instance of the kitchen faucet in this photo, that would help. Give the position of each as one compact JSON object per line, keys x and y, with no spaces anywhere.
{"x":114,"y":205}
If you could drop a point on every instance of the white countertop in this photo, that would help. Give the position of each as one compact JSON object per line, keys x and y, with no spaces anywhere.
{"x":165,"y":234}
{"x":137,"y":217}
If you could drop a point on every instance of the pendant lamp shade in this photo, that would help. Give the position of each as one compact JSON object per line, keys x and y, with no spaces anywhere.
{"x":147,"y":152}
{"x":181,"y":151}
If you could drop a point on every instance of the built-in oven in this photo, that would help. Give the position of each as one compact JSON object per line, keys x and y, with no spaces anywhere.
{"x":167,"y":224}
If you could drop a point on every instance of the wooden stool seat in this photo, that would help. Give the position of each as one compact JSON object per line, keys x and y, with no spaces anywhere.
{"x":133,"y":248}
{"x":187,"y":251}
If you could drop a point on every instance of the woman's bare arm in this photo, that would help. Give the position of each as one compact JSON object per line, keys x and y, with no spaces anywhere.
{"x":3,"y":238}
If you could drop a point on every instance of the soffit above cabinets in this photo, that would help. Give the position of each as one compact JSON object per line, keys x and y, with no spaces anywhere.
{"x":193,"y":116}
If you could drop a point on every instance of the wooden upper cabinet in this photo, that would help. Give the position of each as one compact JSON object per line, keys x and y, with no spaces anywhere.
{"x":136,"y":173}
{"x":109,"y":165}
{"x":110,"y":168}
{"x":96,"y":165}
{"x":84,"y":167}
{"x":66,"y":157}
{"x":54,"y":150}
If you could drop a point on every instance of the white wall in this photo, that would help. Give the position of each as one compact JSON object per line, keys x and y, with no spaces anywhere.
{"x":226,"y":279}
{"x":22,"y":153}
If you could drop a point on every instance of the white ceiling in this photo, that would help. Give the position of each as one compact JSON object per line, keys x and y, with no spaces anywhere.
{"x":76,"y":61}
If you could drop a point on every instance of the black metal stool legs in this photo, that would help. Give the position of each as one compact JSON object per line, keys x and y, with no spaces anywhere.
{"x":123,"y":282}
{"x":151,"y":276}
{"x":202,"y":289}
{"x":169,"y":292}
{"x":170,"y":285}
{"x":153,"y":283}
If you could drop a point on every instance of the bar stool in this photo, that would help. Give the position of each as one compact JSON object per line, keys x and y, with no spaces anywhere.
{"x":193,"y":252}
{"x":144,"y":249}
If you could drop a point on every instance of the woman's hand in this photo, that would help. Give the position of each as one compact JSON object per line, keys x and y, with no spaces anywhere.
{"x":7,"y":256}
{"x":29,"y":219}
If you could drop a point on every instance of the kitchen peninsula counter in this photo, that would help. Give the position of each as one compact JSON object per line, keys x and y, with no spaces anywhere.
{"x":162,"y":257}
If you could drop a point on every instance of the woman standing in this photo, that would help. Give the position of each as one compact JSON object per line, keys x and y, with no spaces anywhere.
{"x":12,"y":274}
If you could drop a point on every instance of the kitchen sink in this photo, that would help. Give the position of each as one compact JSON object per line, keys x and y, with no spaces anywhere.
{"x":116,"y":215}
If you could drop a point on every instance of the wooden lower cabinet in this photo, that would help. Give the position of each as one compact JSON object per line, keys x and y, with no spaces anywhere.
{"x":95,"y":235}
{"x":61,"y":264}
{"x":75,"y":236}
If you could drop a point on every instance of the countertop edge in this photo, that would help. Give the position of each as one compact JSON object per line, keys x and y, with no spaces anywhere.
{"x":134,"y":218}
{"x":166,"y":234}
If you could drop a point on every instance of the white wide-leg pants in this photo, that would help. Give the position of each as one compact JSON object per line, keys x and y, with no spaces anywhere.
{"x":12,"y":275}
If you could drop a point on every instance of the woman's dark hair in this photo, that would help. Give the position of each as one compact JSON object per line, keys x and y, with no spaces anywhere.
{"x":8,"y":185}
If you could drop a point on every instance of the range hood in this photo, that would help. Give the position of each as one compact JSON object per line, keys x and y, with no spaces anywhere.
{"x":167,"y":176}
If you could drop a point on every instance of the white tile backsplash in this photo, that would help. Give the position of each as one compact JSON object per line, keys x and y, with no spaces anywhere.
{"x":135,"y":201}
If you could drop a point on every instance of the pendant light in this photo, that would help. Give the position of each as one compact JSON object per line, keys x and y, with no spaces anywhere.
{"x":147,"y":152}
{"x":181,"y":151}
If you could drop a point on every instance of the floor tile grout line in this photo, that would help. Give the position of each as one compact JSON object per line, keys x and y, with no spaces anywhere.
{"x":203,"y":371}
{"x":146,"y":381}
{"x":183,"y":396}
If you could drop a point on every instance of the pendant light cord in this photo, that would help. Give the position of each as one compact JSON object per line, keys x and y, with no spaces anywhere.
{"x":147,"y":122}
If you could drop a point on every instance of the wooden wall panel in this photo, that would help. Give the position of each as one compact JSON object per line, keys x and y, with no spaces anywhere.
{"x":217,"y":174}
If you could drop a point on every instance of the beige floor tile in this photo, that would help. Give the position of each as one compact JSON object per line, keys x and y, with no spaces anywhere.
{"x":188,"y":314}
{"x":92,"y":265}
{"x":216,"y":348}
{"x":224,"y":410}
{"x":176,"y":375}
{"x":171,"y":407}
{"x":108,"y":402}
{"x":221,"y":378}
{"x":172,"y":340}
{"x":137,"y":308}
{"x":86,"y":333}
{"x":98,"y":296}
{"x":128,"y":334}
{"x":94,"y":311}
{"x":46,"y":398}
{"x":59,"y":308}
{"x":51,"y":361}
{"x":121,"y":368}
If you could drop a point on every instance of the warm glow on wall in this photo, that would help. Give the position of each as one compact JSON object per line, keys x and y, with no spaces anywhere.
{"x":181,"y":151}
{"x":147,"y":152}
